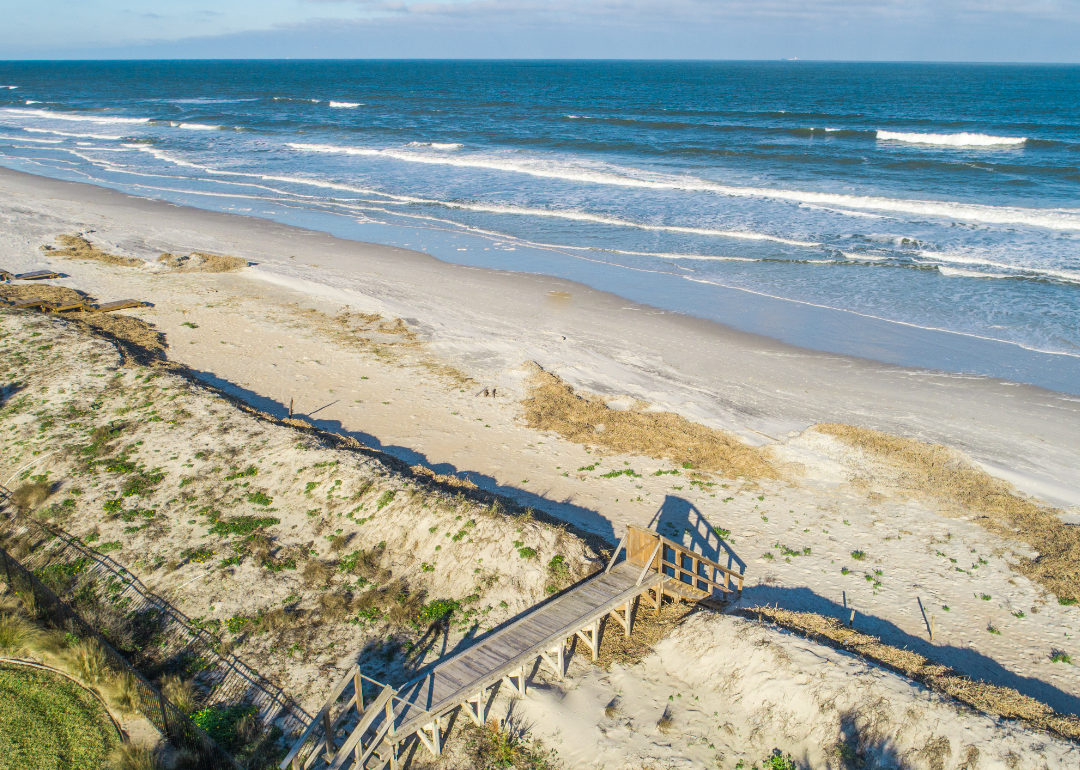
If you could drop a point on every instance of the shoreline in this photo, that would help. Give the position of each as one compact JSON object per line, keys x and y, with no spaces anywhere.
{"x":804,"y":324}
{"x":709,"y":373}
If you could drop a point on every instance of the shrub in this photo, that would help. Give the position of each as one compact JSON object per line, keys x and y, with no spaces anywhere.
{"x":858,"y":555}
{"x":318,"y":572}
{"x":438,"y":610}
{"x":385,"y":499}
{"x":130,"y":756}
{"x":88,"y":661}
{"x":221,"y":722}
{"x":30,"y":496}
{"x":16,"y":634}
{"x":180,"y":693}
{"x":777,"y":761}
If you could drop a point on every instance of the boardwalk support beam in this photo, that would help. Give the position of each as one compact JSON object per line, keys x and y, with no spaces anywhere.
{"x":625,"y":616}
{"x":591,"y":636}
{"x":431,"y":736}
{"x":520,"y":687}
{"x":558,"y":665}
{"x":481,"y":702}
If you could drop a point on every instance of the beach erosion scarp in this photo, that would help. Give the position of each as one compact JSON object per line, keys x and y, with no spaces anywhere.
{"x":396,"y":351}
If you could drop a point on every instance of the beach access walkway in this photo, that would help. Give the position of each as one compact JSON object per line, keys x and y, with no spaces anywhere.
{"x":367,"y":724}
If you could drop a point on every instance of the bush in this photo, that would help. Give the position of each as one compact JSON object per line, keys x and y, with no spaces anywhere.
{"x":16,"y":634}
{"x":88,"y":661}
{"x":777,"y":761}
{"x":128,"y":756}
{"x":226,"y":725}
{"x":30,"y":496}
{"x":178,"y":692}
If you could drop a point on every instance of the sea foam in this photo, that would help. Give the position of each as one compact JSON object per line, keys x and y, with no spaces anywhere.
{"x":953,"y":140}
{"x":76,"y":136}
{"x":1053,"y":219}
{"x":345,"y":105}
{"x":437,"y":145}
{"x":51,"y":115}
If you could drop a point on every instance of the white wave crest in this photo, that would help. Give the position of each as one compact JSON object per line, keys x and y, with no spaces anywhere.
{"x":32,"y":101}
{"x":953,"y":140}
{"x":862,"y":257}
{"x":1020,"y":271}
{"x":959,"y":273}
{"x":345,"y":105}
{"x":12,"y":88}
{"x":197,"y":126}
{"x":437,"y":145}
{"x":30,"y":139}
{"x":75,"y":136}
{"x":166,"y":157}
{"x":51,"y":115}
{"x":1052,"y":219}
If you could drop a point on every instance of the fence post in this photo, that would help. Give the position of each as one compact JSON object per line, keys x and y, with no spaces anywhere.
{"x":164,"y":717}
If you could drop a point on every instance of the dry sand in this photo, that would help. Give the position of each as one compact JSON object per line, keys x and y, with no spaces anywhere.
{"x":275,"y":332}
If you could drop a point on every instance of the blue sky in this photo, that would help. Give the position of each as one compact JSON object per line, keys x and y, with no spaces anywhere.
{"x":967,"y":30}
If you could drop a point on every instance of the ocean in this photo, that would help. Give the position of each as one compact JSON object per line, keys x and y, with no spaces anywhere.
{"x":918,"y":214}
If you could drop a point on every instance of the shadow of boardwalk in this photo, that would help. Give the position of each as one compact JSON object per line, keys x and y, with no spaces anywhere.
{"x":578,"y":516}
{"x":964,"y":659}
{"x":680,"y":520}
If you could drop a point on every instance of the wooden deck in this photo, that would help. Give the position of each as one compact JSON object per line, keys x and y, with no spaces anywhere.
{"x":373,"y":733}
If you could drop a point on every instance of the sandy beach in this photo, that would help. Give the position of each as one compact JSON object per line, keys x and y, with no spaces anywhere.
{"x":435,"y":364}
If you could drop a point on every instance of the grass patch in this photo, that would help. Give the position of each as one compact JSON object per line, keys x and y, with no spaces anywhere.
{"x":50,"y":722}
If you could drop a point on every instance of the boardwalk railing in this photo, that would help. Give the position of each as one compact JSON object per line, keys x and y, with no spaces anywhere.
{"x":689,"y":569}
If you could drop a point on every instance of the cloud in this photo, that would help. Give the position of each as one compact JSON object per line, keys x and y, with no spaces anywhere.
{"x":711,"y":11}
{"x":942,"y":30}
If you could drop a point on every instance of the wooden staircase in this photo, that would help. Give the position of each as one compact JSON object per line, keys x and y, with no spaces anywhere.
{"x":375,"y":732}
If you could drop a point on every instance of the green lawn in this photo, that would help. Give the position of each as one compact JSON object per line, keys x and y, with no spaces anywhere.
{"x":48,"y":722}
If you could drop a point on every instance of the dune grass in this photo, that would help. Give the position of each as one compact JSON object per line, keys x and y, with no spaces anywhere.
{"x":50,"y":722}
{"x":554,"y":406}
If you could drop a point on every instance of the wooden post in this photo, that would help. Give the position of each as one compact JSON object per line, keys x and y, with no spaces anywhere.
{"x":931,"y":628}
{"x":390,"y":734}
{"x":851,"y":620}
{"x":290,"y":408}
{"x":328,"y":729}
{"x":358,"y":685}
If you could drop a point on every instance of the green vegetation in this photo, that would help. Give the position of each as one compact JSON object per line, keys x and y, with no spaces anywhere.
{"x":1057,"y":656}
{"x":228,"y":725}
{"x":624,"y":472}
{"x":493,"y":747}
{"x":250,"y":471}
{"x":385,"y":499}
{"x":777,"y":761}
{"x":260,"y":498}
{"x":858,"y":555}
{"x":439,"y":610}
{"x":50,"y":722}
{"x":243,"y":525}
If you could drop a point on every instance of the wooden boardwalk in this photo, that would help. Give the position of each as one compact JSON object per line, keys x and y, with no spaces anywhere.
{"x":373,"y":732}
